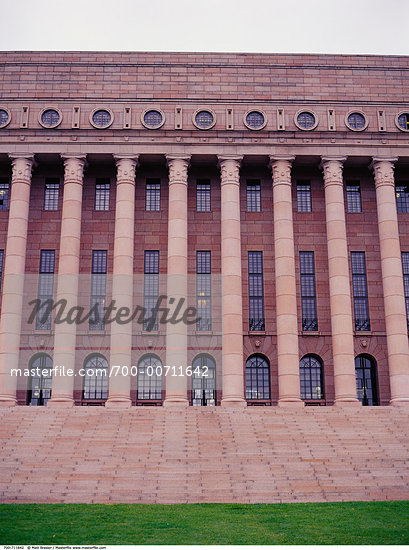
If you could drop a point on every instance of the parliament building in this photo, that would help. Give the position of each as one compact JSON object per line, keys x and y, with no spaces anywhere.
{"x":254,"y":206}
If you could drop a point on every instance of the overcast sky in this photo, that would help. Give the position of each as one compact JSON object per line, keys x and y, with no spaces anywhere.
{"x":305,"y":26}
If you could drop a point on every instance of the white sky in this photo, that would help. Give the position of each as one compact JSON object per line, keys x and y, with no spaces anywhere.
{"x":309,"y":26}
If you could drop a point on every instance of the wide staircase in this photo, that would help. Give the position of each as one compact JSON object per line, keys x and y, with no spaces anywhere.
{"x":164,"y":455}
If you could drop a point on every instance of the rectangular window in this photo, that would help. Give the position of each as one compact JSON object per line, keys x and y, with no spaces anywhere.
{"x":360,"y":291}
{"x":308,"y":294}
{"x":304,"y":196}
{"x":152,"y":195}
{"x":98,"y":289}
{"x":45,"y":288}
{"x":51,"y":193}
{"x":256,"y":291}
{"x":405,"y":265}
{"x":102,"y":193}
{"x":203,"y":290}
{"x":151,"y":289}
{"x":1,"y":266}
{"x":402,"y":198}
{"x":203,"y":203}
{"x":253,"y":196}
{"x":4,"y":194}
{"x":354,"y":203}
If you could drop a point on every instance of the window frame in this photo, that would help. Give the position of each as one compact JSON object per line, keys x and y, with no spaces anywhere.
{"x":308,"y":323}
{"x":102,"y":199}
{"x":351,"y":198}
{"x":361,"y":301}
{"x":152,"y":194}
{"x":52,"y":197}
{"x":253,"y":196}
{"x":301,"y":194}
{"x":256,"y":282}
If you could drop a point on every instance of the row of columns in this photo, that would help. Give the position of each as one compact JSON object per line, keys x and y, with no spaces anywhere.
{"x":232,"y":338}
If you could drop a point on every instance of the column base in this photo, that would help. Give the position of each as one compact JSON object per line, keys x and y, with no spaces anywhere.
{"x":291,"y":403}
{"x":6,"y":401}
{"x":347,"y":402}
{"x":176,"y":402}
{"x":233,"y":402}
{"x":61,"y":402}
{"x":118,"y":403}
{"x":400,"y":402}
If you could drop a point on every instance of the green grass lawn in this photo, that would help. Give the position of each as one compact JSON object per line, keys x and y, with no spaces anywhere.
{"x":332,"y":523}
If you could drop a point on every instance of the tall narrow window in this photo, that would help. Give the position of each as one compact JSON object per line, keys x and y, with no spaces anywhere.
{"x":360,"y":290}
{"x":149,"y":380}
{"x":304,"y":196}
{"x":102,"y":193}
{"x":151,"y":289}
{"x":4,"y":194}
{"x":203,"y":290}
{"x":308,"y":294}
{"x":203,"y":203}
{"x":98,"y":289}
{"x":257,"y":378}
{"x":405,"y":265}
{"x":354,"y":203}
{"x":96,"y":378}
{"x":1,"y":267}
{"x":152,"y":195}
{"x":311,"y":378}
{"x":253,"y":196}
{"x":256,"y":292}
{"x":45,"y":289}
{"x":402,"y":198}
{"x":51,"y":193}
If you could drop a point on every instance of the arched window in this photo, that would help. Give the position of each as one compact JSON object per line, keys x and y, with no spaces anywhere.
{"x":96,"y":377}
{"x":257,"y":378}
{"x":204,"y":381}
{"x":311,"y":378}
{"x":366,"y":380}
{"x":39,"y":389}
{"x":149,"y":379}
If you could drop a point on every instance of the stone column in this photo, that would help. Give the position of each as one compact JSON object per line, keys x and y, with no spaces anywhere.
{"x":119,"y":394}
{"x":232,"y":340}
{"x":286,"y":295}
{"x":392,"y":281}
{"x":67,"y":279}
{"x":13,"y":282}
{"x":176,"y":334}
{"x":339,"y":283}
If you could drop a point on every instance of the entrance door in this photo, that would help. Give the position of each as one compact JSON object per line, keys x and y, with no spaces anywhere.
{"x":39,"y":391}
{"x":366,"y":384}
{"x":204,"y":387}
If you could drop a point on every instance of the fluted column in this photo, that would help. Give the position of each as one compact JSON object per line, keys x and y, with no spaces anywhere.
{"x":392,"y":281}
{"x":67,"y":279}
{"x":13,"y":282}
{"x":232,"y":340}
{"x":176,"y":334}
{"x":286,"y":296}
{"x":119,"y":394}
{"x":339,"y":284}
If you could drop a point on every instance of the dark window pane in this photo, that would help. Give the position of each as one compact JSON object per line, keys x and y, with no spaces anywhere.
{"x":257,"y":378}
{"x":102,"y":192}
{"x":4,"y":195}
{"x":45,"y":288}
{"x":203,"y":203}
{"x":149,"y":378}
{"x":256,"y":291}
{"x":402,"y":198}
{"x":152,"y":195}
{"x":360,"y":291}
{"x":253,"y":196}
{"x":98,"y":289}
{"x":354,"y":203}
{"x":51,"y":194}
{"x":304,"y":197}
{"x":96,"y":378}
{"x":151,"y":289}
{"x":203,"y":291}
{"x":405,"y":266}
{"x":308,"y":294}
{"x":311,"y":378}
{"x":306,"y":120}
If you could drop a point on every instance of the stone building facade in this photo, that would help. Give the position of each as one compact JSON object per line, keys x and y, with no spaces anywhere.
{"x":268,"y":192}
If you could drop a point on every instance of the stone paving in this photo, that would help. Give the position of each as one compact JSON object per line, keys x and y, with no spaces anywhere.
{"x":162,"y":455}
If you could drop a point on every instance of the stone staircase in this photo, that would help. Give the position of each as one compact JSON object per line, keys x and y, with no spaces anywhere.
{"x":165,"y":455}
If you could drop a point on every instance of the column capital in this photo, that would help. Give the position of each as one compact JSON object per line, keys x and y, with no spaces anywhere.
{"x":178,"y":166}
{"x":281,"y":168}
{"x":332,"y":168}
{"x":230,"y":168}
{"x":22,"y":165}
{"x":383,"y":169}
{"x":74,"y":167}
{"x":126,"y":167}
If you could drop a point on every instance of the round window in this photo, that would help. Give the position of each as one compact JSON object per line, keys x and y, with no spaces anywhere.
{"x":403,"y":121}
{"x":306,"y":120}
{"x":356,"y":121}
{"x":101,"y":118}
{"x":204,"y":120}
{"x":50,"y":118}
{"x":255,"y":120}
{"x":153,"y":119}
{"x":4,"y":118}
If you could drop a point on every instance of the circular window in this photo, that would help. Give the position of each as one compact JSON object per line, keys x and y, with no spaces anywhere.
{"x":255,"y":120}
{"x":356,"y":121}
{"x":50,"y":118}
{"x":153,"y":119}
{"x":4,"y":117}
{"x":101,"y":118}
{"x":402,"y":121}
{"x":306,"y":120}
{"x":204,"y":120}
